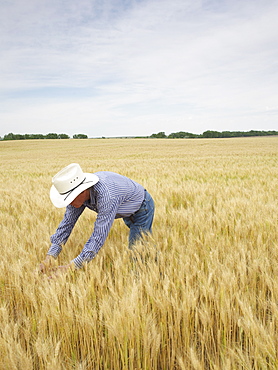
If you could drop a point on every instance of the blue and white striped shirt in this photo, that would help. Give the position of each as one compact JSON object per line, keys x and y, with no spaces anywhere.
{"x":113,"y":196}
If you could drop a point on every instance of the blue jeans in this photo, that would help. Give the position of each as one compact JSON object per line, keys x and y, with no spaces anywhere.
{"x":141,"y":221}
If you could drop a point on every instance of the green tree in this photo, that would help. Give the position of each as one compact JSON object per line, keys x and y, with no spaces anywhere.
{"x":51,"y":135}
{"x":160,"y":135}
{"x":63,"y":136}
{"x":9,"y":136}
{"x":181,"y":135}
{"x":211,"y":134}
{"x":80,"y":136}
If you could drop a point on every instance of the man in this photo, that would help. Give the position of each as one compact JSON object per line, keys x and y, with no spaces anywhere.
{"x":110,"y":195}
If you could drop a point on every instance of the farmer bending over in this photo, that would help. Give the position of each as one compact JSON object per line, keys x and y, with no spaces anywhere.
{"x":110,"y":195}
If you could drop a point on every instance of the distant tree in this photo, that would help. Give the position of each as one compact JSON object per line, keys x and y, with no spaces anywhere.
{"x":63,"y":136}
{"x":12,"y":136}
{"x":51,"y":135}
{"x":211,"y":134}
{"x":80,"y":136}
{"x":160,"y":135}
{"x":9,"y":136}
{"x":33,"y":136}
{"x":37,"y":136}
{"x":226,"y":134}
{"x":181,"y":135}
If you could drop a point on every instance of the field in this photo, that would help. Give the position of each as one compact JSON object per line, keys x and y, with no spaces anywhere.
{"x":202,"y":295}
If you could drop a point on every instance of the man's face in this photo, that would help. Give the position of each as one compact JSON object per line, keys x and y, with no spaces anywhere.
{"x":81,"y":198}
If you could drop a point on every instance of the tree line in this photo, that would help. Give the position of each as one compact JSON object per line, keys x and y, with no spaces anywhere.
{"x":212,"y":134}
{"x":159,"y":135}
{"x":51,"y":135}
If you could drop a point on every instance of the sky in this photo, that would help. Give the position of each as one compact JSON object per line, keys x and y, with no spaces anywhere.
{"x":137,"y":67}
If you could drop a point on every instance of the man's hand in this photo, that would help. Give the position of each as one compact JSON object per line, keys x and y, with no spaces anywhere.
{"x":50,"y":268}
{"x":61,"y":270}
{"x":47,"y":265}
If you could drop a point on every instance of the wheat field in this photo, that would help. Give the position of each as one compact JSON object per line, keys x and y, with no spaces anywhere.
{"x":203,"y":293}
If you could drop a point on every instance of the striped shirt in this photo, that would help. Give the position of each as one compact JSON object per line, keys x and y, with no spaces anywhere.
{"x":113,"y":196}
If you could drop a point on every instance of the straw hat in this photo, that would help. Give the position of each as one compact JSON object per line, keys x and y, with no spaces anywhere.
{"x":69,"y":183}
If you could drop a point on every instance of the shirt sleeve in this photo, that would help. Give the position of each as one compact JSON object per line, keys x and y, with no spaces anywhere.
{"x":106,"y":215}
{"x":64,"y":230}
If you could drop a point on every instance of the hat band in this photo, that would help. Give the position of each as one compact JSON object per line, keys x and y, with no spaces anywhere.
{"x":69,"y":191}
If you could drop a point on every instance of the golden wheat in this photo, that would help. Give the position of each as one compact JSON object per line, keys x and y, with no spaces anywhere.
{"x":203,"y":293}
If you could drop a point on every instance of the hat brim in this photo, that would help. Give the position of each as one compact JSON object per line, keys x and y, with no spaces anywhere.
{"x":63,"y":200}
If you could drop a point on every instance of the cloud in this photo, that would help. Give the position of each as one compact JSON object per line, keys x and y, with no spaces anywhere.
{"x":136,"y":67}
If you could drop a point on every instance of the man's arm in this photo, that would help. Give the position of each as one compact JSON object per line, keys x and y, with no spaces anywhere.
{"x":64,"y":230}
{"x":106,"y":215}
